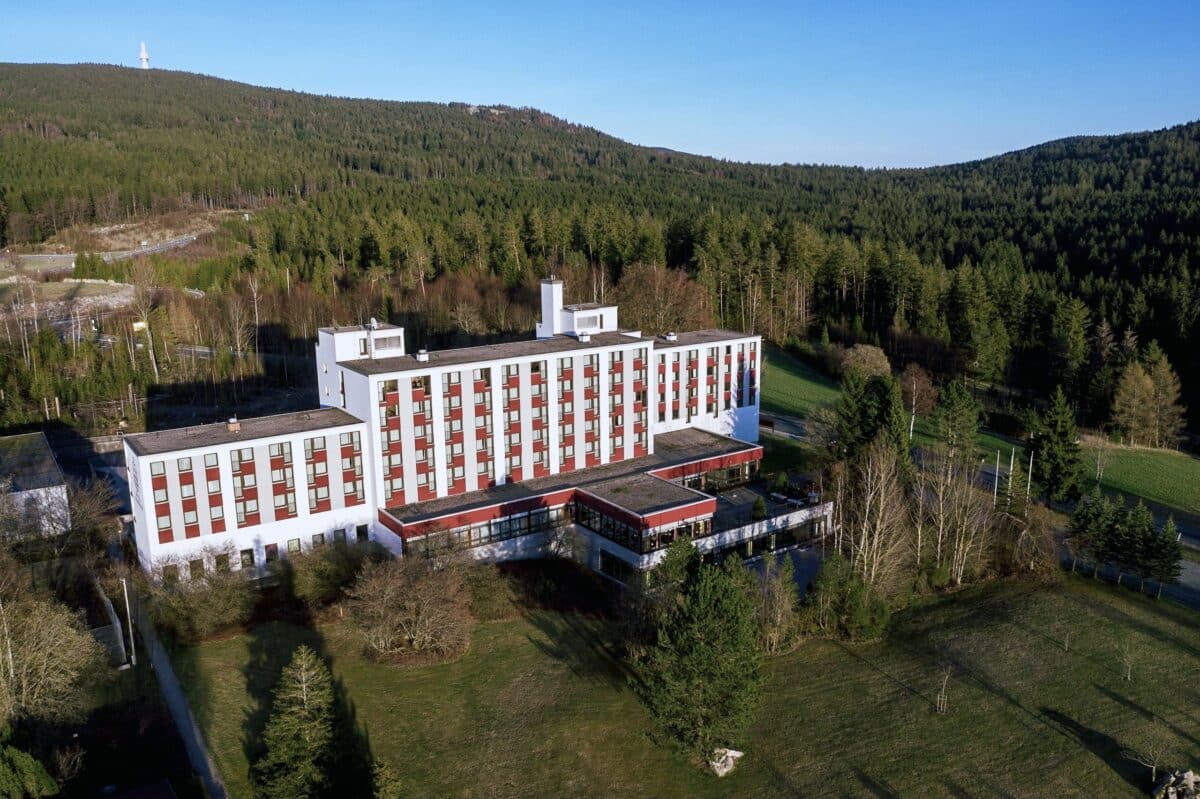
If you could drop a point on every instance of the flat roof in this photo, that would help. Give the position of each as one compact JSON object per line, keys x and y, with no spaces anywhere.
{"x":532,"y":348}
{"x":643,"y":493}
{"x":207,"y":435}
{"x":27,"y":460}
{"x":693,"y":338}
{"x":358,"y":328}
{"x":492,"y":352}
{"x":611,"y":482}
{"x":587,"y":306}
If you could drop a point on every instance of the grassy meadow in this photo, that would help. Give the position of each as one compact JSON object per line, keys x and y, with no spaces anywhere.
{"x":540,"y":706}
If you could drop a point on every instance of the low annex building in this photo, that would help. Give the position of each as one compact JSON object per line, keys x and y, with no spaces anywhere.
{"x":587,"y":428}
{"x":33,"y":484}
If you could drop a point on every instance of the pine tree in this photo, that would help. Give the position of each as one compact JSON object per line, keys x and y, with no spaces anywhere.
{"x":1089,"y":525}
{"x":853,"y":413}
{"x":956,"y":418}
{"x":701,"y":681}
{"x":1165,"y":553}
{"x":1135,"y":542}
{"x":299,"y":733}
{"x":22,"y":776}
{"x":1055,"y":447}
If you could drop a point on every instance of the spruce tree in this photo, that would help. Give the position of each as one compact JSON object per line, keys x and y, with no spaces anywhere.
{"x":956,"y":418}
{"x":1055,"y":447}
{"x":299,"y":732}
{"x":1165,"y":553}
{"x":701,"y":681}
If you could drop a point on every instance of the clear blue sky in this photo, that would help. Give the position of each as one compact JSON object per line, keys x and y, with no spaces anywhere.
{"x":876,"y":84}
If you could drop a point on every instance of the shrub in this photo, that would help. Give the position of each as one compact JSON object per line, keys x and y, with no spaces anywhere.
{"x":416,"y":605}
{"x":321,"y":576}
{"x":759,"y":511}
{"x":194,"y":609}
{"x":840,"y":604}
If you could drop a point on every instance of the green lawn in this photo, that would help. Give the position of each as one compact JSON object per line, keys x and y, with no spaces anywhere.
{"x":792,"y":387}
{"x":1171,"y":479}
{"x":539,"y":708}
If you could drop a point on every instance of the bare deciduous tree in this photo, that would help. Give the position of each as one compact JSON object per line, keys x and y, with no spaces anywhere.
{"x":956,"y":513}
{"x":877,"y":534}
{"x":1152,"y":747}
{"x":415,"y":605}
{"x":46,"y":652}
{"x":1127,"y":653}
{"x":142,"y":277}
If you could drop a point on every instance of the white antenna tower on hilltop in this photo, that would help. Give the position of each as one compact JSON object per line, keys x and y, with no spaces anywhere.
{"x":144,"y":57}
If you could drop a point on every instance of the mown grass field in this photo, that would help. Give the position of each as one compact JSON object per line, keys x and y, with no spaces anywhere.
{"x":792,"y":387}
{"x":539,"y":707}
{"x":1170,"y":479}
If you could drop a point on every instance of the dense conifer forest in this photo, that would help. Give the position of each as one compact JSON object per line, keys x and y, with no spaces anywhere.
{"x":1056,"y":265}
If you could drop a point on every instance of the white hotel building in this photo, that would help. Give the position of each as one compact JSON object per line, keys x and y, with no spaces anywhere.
{"x":586,"y":428}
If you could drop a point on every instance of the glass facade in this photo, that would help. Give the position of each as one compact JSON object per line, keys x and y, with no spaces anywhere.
{"x":634,"y":539}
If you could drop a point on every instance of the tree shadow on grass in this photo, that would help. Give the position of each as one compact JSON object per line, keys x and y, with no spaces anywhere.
{"x":270,"y":647}
{"x":877,"y":786}
{"x":584,"y":645}
{"x":1103,"y":746}
{"x":1145,"y":712}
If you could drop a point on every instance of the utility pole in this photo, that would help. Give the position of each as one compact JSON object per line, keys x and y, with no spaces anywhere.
{"x":996,"y":481}
{"x":129,"y":616}
{"x":1029,"y":479}
{"x":12,"y":669}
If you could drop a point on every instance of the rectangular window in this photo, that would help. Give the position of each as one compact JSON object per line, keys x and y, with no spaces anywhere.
{"x":318,"y":540}
{"x":189,"y":517}
{"x":247,"y":558}
{"x":157,"y":468}
{"x":187,"y":490}
{"x":216,"y":512}
{"x":272,"y":552}
{"x":210,"y":460}
{"x":221,"y":563}
{"x":360,"y":532}
{"x":196,"y":569}
{"x":293,"y":546}
{"x":164,"y":522}
{"x":184,"y":464}
{"x":160,"y":495}
{"x":214,"y":486}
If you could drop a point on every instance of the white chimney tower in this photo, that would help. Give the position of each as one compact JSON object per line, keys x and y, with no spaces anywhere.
{"x":144,"y":57}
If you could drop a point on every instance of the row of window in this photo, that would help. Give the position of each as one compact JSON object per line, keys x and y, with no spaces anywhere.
{"x":535,"y":521}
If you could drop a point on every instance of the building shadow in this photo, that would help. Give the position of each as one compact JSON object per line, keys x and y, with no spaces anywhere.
{"x":1103,"y":746}
{"x":572,"y":612}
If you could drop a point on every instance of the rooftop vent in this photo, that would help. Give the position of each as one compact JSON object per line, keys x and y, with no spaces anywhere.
{"x":373,"y":324}
{"x":233,"y":425}
{"x":672,"y":336}
{"x":422,"y":355}
{"x":584,"y":337}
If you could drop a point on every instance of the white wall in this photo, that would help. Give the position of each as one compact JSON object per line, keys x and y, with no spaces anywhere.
{"x":256,"y":537}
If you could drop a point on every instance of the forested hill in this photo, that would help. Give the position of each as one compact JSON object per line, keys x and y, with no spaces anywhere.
{"x":1055,"y":265}
{"x":86,"y":141}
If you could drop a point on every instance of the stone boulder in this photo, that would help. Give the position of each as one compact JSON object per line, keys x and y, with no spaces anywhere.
{"x":724,"y":760}
{"x":1178,"y":785}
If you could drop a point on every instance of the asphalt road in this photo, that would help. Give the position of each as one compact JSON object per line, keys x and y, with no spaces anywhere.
{"x":63,"y":261}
